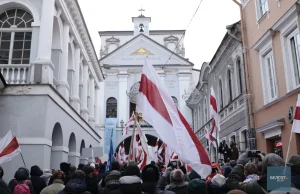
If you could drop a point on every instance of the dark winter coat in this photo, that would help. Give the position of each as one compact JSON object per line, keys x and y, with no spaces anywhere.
{"x":75,"y":186}
{"x":237,"y":176}
{"x":149,"y":187}
{"x":108,"y":188}
{"x":92,"y":183}
{"x":178,"y":188}
{"x":296,"y":181}
{"x":21,"y":175}
{"x":129,"y":186}
{"x":214,"y":189}
{"x":38,"y":183}
{"x":234,"y":153}
{"x":4,"y":188}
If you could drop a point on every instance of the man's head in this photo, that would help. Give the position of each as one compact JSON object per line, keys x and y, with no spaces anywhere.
{"x":115,"y":165}
{"x":271,"y":160}
{"x":177,"y":176}
{"x":78,"y":174}
{"x":58,"y":175}
{"x":250,"y":168}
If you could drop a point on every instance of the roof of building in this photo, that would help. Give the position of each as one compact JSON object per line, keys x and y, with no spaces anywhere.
{"x":2,"y":82}
{"x":175,"y":54}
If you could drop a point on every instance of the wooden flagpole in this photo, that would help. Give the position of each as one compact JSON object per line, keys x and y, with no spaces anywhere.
{"x":132,"y":137}
{"x":19,"y":145}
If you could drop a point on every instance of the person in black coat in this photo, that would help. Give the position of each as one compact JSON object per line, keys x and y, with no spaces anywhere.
{"x":91,"y":179}
{"x":21,"y":176}
{"x":76,"y":185}
{"x":150,"y":177}
{"x":38,"y":183}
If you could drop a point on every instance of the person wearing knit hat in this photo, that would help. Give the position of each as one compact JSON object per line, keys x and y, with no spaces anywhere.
{"x":111,"y":182}
{"x":178,"y":183}
{"x":132,"y":170}
{"x":197,"y":186}
{"x":57,"y":185}
{"x":150,"y":177}
{"x":218,"y":180}
{"x":236,"y":192}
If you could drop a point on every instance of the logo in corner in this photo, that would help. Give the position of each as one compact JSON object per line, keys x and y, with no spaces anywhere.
{"x":142,"y":51}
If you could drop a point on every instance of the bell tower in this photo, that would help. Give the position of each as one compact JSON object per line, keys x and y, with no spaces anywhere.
{"x":141,"y":24}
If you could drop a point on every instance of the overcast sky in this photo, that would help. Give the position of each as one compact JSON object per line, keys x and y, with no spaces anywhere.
{"x":202,"y":38}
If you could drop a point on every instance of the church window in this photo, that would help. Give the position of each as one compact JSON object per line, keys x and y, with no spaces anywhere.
{"x":175,"y":101}
{"x":15,"y":36}
{"x":141,"y":28}
{"x":221,"y":94}
{"x":111,"y":108}
{"x":229,"y":79}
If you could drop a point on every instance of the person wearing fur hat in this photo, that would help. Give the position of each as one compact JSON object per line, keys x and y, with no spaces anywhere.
{"x":177,"y":182}
{"x":217,"y":185}
{"x":57,"y":185}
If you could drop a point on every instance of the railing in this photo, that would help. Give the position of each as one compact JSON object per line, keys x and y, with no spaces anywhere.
{"x":15,"y":74}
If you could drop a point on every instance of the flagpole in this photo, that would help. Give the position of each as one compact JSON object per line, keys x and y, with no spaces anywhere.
{"x":288,"y":150}
{"x":132,"y":137}
{"x":23,"y":160}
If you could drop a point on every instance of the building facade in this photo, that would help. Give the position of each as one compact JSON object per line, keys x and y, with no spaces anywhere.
{"x":53,"y":82}
{"x":123,"y":54}
{"x":272,"y":37}
{"x":225,"y":74}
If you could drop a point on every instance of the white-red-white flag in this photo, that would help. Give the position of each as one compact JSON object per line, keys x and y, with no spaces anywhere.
{"x":296,"y":123}
{"x":144,"y":146}
{"x":158,"y":108}
{"x":214,"y":108}
{"x":9,"y":147}
{"x":130,"y":122}
{"x":155,"y":150}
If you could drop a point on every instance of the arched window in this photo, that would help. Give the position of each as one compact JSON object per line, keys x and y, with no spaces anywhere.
{"x":111,"y":108}
{"x":205,"y":111}
{"x":175,"y":101}
{"x":15,"y":36}
{"x":229,"y":78}
{"x":239,"y":71}
{"x":221,"y":94}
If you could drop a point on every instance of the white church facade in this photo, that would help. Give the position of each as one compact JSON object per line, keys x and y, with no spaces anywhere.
{"x":53,"y":82}
{"x":123,"y":54}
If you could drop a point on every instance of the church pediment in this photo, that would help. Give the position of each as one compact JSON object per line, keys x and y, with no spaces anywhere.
{"x":137,"y":49}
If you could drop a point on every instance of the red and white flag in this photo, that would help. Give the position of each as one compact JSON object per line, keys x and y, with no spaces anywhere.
{"x":9,"y":147}
{"x":144,"y":146}
{"x":130,"y":122}
{"x":155,"y":150}
{"x":214,"y":108}
{"x":296,"y":123}
{"x":158,"y":108}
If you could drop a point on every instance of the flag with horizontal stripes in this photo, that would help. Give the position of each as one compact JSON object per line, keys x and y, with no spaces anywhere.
{"x":9,"y":147}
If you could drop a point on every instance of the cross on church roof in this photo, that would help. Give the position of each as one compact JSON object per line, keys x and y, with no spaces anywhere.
{"x":141,"y":10}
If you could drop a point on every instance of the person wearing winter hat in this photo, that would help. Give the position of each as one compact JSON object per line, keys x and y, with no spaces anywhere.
{"x":111,"y":182}
{"x":150,"y":177}
{"x":21,"y":177}
{"x":76,"y":185}
{"x":91,"y":179}
{"x":217,"y":185}
{"x":197,"y":186}
{"x":177,"y":182}
{"x":65,"y":167}
{"x":227,"y":171}
{"x":38,"y":183}
{"x":218,"y":180}
{"x":258,"y":187}
{"x":130,"y":183}
{"x":294,"y":163}
{"x":57,"y":185}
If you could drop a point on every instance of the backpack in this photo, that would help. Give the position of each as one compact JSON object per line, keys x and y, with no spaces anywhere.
{"x":22,"y":188}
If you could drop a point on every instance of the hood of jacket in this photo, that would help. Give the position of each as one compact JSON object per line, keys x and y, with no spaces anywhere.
{"x":36,"y":171}
{"x":75,"y":186}
{"x":22,"y":174}
{"x":131,"y":185}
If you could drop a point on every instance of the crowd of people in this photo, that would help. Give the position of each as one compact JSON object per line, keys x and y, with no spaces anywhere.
{"x":235,"y":177}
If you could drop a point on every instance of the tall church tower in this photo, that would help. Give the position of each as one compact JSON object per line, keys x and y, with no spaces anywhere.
{"x":141,"y":24}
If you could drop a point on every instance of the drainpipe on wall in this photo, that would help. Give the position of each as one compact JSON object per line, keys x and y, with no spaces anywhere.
{"x":250,"y":115}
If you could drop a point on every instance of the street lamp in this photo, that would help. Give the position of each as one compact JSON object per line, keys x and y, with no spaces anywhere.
{"x":122,"y":124}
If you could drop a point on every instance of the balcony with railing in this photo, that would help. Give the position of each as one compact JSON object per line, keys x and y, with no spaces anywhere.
{"x":15,"y":74}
